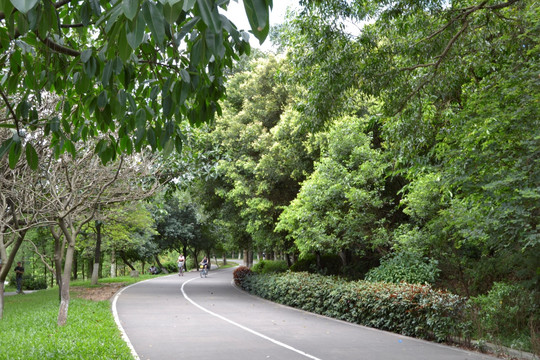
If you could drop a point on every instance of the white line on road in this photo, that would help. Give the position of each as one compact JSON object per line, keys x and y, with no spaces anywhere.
{"x":243,"y":327}
{"x":119,"y":324}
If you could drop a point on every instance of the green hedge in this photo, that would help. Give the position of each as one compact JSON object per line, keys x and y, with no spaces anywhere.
{"x":270,"y":266}
{"x":412,"y":310}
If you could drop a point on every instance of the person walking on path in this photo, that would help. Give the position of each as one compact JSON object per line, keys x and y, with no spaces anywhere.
{"x":19,"y":271}
{"x":181,"y":260}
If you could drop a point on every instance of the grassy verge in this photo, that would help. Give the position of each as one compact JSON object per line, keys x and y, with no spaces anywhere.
{"x":29,"y":331}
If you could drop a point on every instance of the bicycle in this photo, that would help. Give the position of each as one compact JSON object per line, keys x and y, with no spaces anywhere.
{"x":204,"y":270}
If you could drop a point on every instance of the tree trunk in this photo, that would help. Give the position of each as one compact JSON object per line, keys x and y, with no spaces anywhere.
{"x":318,"y":257}
{"x":5,"y":265}
{"x":64,"y":293}
{"x":246,"y":258}
{"x":97,"y":254}
{"x":156,"y":259}
{"x":75,"y":265}
{"x":113,"y":263}
{"x":288,"y":258}
{"x":58,"y":262}
{"x":195,"y":252}
{"x":224,"y":259}
{"x":185,"y":256}
{"x":126,"y":262}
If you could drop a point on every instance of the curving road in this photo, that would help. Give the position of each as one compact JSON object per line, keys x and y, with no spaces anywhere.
{"x":176,"y":317}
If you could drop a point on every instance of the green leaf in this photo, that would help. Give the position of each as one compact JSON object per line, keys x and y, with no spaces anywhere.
{"x":102,"y":100}
{"x":172,"y":12}
{"x":31,"y":156}
{"x":96,"y":8}
{"x":90,"y":67}
{"x":210,"y":15}
{"x":86,"y":13}
{"x":126,"y":145}
{"x":156,"y":22}
{"x":188,"y":5}
{"x":154,"y":92}
{"x":6,"y":7}
{"x":107,"y":73}
{"x":140,"y":119}
{"x":187,"y":28}
{"x":24,"y":5}
{"x":15,"y":153}
{"x":151,"y":137}
{"x":85,"y":55}
{"x":5,"y":147}
{"x":167,"y":105}
{"x":130,"y":8}
{"x":185,"y":75}
{"x":136,"y":35}
{"x":258,"y":15}
{"x":198,"y":53}
{"x":124,"y":50}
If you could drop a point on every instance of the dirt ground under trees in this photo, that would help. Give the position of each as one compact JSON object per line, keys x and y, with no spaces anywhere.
{"x":101,"y":293}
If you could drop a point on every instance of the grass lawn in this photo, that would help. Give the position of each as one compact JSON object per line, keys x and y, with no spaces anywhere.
{"x":28,"y":329}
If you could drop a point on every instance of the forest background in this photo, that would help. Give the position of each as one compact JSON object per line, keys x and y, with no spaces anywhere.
{"x":406,"y":150}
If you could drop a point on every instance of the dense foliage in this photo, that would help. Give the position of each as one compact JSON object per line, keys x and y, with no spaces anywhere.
{"x":131,"y":70}
{"x":413,"y":310}
{"x":411,"y":140}
{"x":407,"y":267}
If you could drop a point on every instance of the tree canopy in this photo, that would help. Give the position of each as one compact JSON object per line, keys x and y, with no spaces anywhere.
{"x":131,"y":70}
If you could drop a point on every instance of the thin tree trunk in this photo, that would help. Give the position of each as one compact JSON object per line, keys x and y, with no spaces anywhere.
{"x":246,"y":258}
{"x":113,"y":263}
{"x":288,"y":259}
{"x":97,"y":254}
{"x":64,"y":294}
{"x":75,"y":265}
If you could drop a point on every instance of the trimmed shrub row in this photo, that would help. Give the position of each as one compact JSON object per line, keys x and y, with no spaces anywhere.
{"x":412,"y":310}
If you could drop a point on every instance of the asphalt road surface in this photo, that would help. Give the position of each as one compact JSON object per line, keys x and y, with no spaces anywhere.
{"x":191,"y":317}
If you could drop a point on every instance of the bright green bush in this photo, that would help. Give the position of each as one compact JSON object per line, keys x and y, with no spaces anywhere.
{"x":270,"y":266}
{"x":408,"y":267}
{"x":171,"y":266}
{"x":508,"y":313}
{"x":413,"y":310}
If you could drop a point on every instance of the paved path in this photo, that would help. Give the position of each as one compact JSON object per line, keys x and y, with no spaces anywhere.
{"x":185,"y":317}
